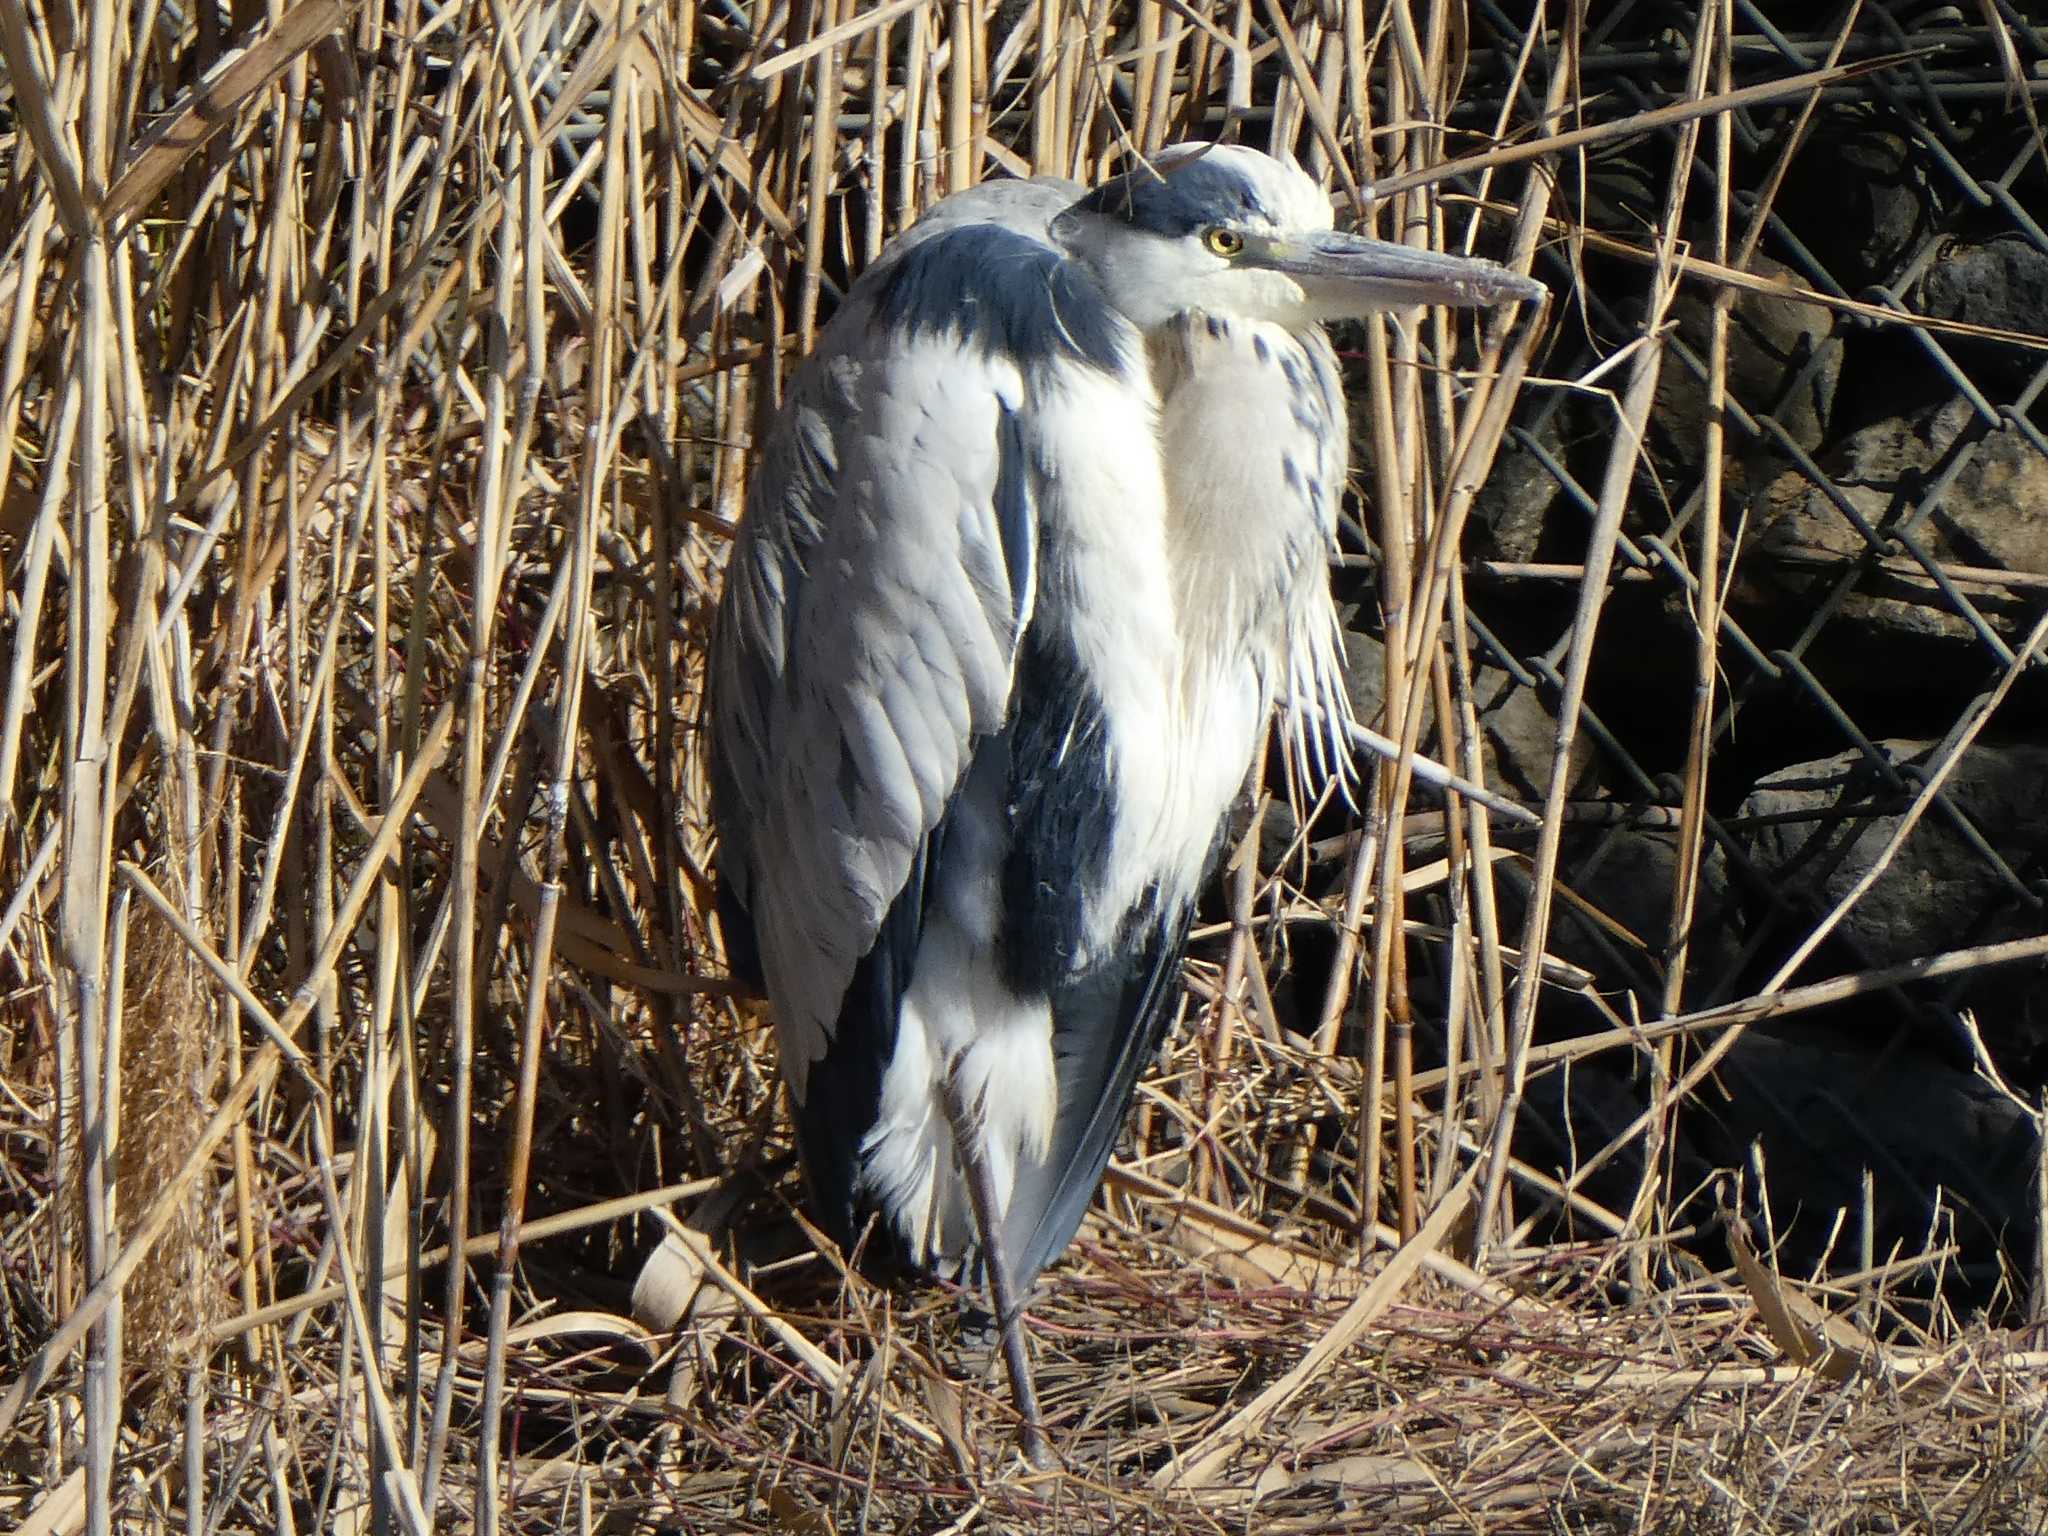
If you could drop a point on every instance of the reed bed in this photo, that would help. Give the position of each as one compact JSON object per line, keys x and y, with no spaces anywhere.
{"x":377,"y":383}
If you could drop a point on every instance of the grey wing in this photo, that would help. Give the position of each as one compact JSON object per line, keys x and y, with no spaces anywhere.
{"x":880,"y":584}
{"x":1023,"y":207}
{"x":865,"y":643}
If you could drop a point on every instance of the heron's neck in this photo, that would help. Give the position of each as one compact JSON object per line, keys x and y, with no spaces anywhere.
{"x":1252,"y":434}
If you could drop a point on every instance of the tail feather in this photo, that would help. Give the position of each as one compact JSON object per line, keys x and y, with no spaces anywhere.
{"x":1106,"y":1025}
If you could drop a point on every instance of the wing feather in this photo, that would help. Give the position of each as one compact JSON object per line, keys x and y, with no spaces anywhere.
{"x":881,"y":582}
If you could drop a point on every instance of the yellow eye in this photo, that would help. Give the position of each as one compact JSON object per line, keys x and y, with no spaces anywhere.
{"x":1224,"y":242}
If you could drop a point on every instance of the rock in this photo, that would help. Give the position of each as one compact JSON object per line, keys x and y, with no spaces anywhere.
{"x":1928,"y":1133}
{"x":1818,"y":827}
{"x":1861,"y":199}
{"x":1514,"y":507}
{"x":1994,"y":514}
{"x":1783,"y":361}
{"x":1615,"y":921}
{"x":1947,"y":1153}
{"x":1938,"y":891}
{"x":2001,"y":283}
{"x":1627,"y":874}
{"x":1571,"y":1112}
{"x":1518,"y":727}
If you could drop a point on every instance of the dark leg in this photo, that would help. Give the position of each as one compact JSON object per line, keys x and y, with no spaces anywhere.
{"x":981,"y":1190}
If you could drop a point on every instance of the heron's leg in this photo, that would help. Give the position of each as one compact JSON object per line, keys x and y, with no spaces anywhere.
{"x":981,"y":1191}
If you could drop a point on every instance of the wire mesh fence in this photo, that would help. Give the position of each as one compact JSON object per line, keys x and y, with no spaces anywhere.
{"x":1867,"y":499}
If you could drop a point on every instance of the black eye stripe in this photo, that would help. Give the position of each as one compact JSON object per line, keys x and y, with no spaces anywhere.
{"x":1182,"y":202}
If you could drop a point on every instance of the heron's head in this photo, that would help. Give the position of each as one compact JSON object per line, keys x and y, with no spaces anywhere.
{"x":1229,"y":231}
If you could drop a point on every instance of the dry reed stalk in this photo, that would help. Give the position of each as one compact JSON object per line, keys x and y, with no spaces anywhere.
{"x":1200,"y":1464}
{"x":1633,"y":411}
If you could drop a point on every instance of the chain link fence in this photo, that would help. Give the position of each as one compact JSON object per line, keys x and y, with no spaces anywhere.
{"x":1878,"y":522}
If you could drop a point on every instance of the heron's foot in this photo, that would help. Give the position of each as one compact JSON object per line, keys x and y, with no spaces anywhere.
{"x":979,"y":1345}
{"x":977,"y":1338}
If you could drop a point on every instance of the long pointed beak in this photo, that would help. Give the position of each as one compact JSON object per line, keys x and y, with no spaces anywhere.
{"x":1354,"y":275}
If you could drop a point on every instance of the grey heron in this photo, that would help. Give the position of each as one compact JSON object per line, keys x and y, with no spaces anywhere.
{"x":1036,"y":542}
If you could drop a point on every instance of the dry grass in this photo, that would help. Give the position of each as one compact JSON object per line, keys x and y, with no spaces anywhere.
{"x":376,"y":384}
